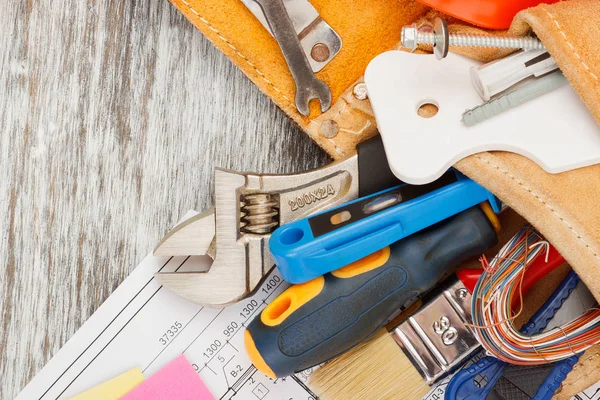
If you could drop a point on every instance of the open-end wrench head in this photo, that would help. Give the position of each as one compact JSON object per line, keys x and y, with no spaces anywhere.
{"x":308,"y":86}
{"x":316,"y":90}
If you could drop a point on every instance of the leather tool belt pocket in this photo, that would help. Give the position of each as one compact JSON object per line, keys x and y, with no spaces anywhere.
{"x":563,"y":207}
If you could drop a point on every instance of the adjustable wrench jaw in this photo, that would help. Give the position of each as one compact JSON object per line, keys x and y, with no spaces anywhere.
{"x":248,"y":207}
{"x":192,"y":237}
{"x":227,"y":280}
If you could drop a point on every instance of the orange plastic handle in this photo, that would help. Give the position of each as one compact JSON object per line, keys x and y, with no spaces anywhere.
{"x":491,"y":14}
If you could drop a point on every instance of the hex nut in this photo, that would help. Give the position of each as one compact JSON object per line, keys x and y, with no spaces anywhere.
{"x":360,"y":91}
{"x":408,"y":37}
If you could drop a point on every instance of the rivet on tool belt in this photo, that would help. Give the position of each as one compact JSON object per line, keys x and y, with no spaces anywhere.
{"x":329,"y":129}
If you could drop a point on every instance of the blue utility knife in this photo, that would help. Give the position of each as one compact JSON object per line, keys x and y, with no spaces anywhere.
{"x":310,"y":247}
{"x":467,"y":383}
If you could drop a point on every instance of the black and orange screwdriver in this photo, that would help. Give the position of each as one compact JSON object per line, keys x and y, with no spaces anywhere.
{"x":315,"y":321}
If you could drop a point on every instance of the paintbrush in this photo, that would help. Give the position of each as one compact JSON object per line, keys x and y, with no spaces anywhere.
{"x":375,"y":370}
{"x":403,"y":363}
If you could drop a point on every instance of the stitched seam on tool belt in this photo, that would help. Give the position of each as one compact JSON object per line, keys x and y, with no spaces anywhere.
{"x":562,"y":33}
{"x":243,"y":57}
{"x":537,"y":197}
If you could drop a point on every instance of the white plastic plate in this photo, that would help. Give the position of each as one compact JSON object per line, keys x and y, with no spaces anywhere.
{"x":555,"y":130}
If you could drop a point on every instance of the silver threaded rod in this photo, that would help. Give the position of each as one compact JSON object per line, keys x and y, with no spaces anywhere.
{"x":525,"y":43}
{"x":412,"y":36}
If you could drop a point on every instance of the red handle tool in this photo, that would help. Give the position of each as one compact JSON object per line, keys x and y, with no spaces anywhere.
{"x":539,"y":268}
{"x":491,"y":14}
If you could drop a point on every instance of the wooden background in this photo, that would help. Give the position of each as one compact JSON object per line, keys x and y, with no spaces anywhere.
{"x":112,"y":116}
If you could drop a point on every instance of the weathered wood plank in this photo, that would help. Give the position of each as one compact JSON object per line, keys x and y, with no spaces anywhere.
{"x":112,"y":116}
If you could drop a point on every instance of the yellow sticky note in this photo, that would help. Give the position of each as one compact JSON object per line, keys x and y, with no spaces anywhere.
{"x":115,"y":388}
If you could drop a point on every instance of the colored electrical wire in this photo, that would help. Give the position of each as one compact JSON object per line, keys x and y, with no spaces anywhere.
{"x":493,"y":317}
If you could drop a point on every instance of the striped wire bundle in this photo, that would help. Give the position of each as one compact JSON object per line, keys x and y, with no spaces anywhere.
{"x":493,"y":318}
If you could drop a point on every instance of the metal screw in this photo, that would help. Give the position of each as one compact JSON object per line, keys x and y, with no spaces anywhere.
{"x":360,"y":91}
{"x":412,"y":36}
{"x":461,"y":293}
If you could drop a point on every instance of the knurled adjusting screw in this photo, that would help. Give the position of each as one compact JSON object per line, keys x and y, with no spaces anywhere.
{"x":412,"y":36}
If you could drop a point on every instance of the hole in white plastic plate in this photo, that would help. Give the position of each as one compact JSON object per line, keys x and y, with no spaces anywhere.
{"x":427,"y":108}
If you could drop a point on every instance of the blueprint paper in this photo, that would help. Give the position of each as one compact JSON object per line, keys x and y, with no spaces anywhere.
{"x":143,"y":324}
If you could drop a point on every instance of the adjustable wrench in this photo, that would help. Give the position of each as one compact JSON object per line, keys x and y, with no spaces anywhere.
{"x":248,"y":207}
{"x":308,"y":86}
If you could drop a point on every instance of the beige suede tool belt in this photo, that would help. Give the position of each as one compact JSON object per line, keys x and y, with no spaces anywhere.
{"x":563,"y":207}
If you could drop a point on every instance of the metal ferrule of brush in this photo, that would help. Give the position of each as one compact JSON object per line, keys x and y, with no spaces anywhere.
{"x":436,"y":339}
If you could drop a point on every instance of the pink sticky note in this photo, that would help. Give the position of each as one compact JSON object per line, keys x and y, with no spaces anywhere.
{"x":177,"y":381}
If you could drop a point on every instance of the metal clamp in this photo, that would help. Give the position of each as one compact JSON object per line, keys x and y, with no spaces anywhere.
{"x":440,"y":347}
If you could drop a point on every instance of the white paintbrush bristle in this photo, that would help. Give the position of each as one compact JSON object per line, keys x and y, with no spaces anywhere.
{"x":374,"y":370}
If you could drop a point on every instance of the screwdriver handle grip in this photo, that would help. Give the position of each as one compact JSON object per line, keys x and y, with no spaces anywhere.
{"x":313,"y":322}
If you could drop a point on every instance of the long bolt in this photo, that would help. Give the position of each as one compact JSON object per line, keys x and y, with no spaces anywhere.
{"x":412,"y":36}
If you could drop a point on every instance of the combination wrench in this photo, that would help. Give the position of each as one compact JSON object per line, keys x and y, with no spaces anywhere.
{"x":308,"y":86}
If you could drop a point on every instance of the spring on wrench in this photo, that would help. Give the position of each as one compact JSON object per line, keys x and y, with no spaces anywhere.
{"x":258,"y":213}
